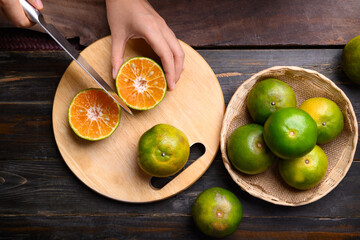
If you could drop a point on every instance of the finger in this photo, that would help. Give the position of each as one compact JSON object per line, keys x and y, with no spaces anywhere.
{"x":177,"y":51}
{"x":36,"y":4}
{"x":117,"y":52}
{"x":15,"y":13}
{"x":162,"y":49}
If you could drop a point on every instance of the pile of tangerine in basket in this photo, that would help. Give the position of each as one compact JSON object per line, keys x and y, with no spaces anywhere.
{"x":283,"y":131}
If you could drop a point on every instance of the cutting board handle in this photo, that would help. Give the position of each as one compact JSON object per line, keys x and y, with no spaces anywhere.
{"x":197,"y":149}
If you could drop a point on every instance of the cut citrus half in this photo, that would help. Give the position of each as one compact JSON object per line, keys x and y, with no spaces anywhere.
{"x":93,"y":115}
{"x":141,"y":83}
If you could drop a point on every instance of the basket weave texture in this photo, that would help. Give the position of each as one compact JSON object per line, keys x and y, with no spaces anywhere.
{"x":340,"y":152}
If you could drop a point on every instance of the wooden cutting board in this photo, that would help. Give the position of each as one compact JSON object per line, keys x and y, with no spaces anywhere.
{"x":109,"y":166}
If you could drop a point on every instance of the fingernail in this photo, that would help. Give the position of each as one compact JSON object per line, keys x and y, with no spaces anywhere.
{"x":171,"y":86}
{"x":39,"y":4}
{"x":114,"y":73}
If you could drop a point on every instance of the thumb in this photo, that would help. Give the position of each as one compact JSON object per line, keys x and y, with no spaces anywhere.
{"x":117,"y":53}
{"x":36,"y":4}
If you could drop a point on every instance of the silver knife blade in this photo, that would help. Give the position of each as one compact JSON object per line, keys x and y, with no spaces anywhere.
{"x":36,"y":16}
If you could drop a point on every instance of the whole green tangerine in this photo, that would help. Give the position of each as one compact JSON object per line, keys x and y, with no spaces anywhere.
{"x":217,"y":212}
{"x":163,"y":150}
{"x":350,"y":59}
{"x":247,"y":151}
{"x":305,"y":172}
{"x":290,"y":133}
{"x":268,"y":96}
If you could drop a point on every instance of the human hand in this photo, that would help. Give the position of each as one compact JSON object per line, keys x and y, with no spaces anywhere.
{"x":137,"y":19}
{"x":14,"y":12}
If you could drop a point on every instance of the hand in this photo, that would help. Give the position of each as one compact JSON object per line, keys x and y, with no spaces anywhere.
{"x":14,"y":12}
{"x":137,"y":19}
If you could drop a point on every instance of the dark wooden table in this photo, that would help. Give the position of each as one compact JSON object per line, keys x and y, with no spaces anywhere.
{"x":41,"y":198}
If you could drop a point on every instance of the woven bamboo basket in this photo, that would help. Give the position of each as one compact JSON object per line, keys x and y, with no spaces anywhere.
{"x":340,"y":152}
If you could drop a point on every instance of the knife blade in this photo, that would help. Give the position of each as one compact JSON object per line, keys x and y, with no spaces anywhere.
{"x":35,"y":16}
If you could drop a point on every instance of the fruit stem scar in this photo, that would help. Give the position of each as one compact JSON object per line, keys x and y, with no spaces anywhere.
{"x":273,"y":103}
{"x":307,"y":161}
{"x":323,"y":123}
{"x":259,"y":145}
{"x":163,"y":154}
{"x":219,"y":213}
{"x":291,"y":133}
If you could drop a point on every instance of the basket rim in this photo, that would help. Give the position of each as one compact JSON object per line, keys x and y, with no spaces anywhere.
{"x":265,"y":196}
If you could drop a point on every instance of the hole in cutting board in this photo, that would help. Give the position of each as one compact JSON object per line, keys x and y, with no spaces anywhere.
{"x":196,"y":151}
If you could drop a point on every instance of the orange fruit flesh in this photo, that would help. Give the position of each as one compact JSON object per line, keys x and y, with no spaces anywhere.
{"x":93,"y":115}
{"x":141,"y":83}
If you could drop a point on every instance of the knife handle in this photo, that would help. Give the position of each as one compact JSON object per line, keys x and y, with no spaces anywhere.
{"x":32,"y":13}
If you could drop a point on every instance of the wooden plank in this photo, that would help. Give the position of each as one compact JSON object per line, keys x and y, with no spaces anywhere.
{"x":26,"y":114}
{"x":170,"y":227}
{"x":43,"y":70}
{"x":223,"y":23}
{"x":261,"y":23}
{"x":40,"y":198}
{"x":31,"y":76}
{"x":233,"y":67}
{"x":47,"y":188}
{"x":26,"y":131}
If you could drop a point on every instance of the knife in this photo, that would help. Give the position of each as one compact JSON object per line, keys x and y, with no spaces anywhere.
{"x":35,"y":16}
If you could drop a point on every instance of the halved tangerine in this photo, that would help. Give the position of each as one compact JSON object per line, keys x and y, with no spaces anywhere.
{"x":93,"y":115}
{"x":141,"y":83}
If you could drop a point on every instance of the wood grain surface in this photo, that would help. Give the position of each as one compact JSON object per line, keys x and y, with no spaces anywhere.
{"x":110,"y":166}
{"x":40,"y":198}
{"x":226,"y":23}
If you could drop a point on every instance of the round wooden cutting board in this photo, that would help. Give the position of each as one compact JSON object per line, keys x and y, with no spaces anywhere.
{"x":109,"y":166}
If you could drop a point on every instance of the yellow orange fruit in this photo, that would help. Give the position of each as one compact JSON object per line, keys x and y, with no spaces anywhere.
{"x":327,"y":115}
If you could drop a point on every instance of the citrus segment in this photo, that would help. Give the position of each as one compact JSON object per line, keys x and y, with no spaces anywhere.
{"x":93,"y":115}
{"x":141,"y":83}
{"x":327,"y":115}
